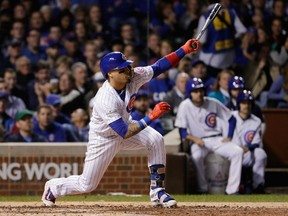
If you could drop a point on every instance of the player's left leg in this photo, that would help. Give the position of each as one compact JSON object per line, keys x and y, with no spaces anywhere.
{"x":98,"y":158}
{"x":260,"y":159}
{"x":154,"y":143}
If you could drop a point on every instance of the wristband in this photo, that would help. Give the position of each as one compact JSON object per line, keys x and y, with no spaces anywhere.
{"x":144,"y":122}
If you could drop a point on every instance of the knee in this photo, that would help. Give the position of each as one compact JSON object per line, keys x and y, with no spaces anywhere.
{"x":197,"y":156}
{"x":237,"y":152}
{"x":156,"y":139}
{"x":260,"y":154}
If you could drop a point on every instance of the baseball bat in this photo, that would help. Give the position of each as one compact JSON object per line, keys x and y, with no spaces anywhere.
{"x":210,"y":18}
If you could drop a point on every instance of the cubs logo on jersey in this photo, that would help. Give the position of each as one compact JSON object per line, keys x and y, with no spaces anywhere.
{"x":131,"y":103}
{"x":210,"y":120}
{"x":248,"y":136}
{"x":139,"y":70}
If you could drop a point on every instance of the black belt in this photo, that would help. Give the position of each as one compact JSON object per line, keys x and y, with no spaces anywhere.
{"x":215,"y":135}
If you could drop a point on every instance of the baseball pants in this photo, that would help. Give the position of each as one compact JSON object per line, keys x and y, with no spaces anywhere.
{"x":257,"y":160}
{"x":99,"y":155}
{"x":228,"y":150}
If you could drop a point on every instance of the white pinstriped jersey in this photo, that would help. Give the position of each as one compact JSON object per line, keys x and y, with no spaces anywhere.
{"x":209,"y":119}
{"x":247,"y":131}
{"x":108,"y":106}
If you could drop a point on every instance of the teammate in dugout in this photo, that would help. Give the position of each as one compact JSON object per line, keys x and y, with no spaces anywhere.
{"x":112,"y":128}
{"x":247,"y":135}
{"x":202,"y":121}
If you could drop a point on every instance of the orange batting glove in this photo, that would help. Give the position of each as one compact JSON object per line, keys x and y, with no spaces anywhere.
{"x":187,"y":47}
{"x":159,"y":110}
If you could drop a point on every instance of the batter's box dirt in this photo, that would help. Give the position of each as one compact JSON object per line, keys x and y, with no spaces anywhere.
{"x":142,"y":208}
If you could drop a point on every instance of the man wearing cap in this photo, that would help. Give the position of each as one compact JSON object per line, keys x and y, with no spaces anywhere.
{"x":71,"y":49}
{"x":24,"y":123}
{"x":248,"y":137}
{"x":112,"y":128}
{"x":53,"y":52}
{"x":13,"y":52}
{"x":199,"y":70}
{"x":142,"y":107}
{"x":203,"y":121}
{"x":55,"y":101}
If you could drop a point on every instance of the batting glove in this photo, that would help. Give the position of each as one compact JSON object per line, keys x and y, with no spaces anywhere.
{"x":159,"y":110}
{"x":187,"y":47}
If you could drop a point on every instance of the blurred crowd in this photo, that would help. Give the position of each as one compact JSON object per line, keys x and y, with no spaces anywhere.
{"x":50,"y":54}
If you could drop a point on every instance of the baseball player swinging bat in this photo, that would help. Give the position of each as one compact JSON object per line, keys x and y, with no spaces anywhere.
{"x":210,"y":18}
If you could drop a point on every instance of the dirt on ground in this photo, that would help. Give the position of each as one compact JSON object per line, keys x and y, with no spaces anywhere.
{"x":143,"y":209}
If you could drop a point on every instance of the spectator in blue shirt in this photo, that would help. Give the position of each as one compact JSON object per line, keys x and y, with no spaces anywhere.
{"x":46,"y":127}
{"x":33,"y":51}
{"x":199,"y":70}
{"x":24,"y":123}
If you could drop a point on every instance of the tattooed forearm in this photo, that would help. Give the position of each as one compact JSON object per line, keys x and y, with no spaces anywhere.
{"x":133,"y":129}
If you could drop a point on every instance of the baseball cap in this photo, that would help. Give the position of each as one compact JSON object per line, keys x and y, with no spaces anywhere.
{"x":4,"y":95}
{"x":196,"y":62}
{"x":53,"y":99}
{"x":21,"y":114}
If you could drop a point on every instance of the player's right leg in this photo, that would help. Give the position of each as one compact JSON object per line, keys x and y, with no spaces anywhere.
{"x":234,"y":154}
{"x":154,"y":143}
{"x":98,"y":158}
{"x":198,"y":155}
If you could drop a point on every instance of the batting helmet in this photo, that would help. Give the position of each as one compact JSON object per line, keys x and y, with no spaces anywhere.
{"x":236,"y":82}
{"x":245,"y":95}
{"x":113,"y":61}
{"x":194,"y":83}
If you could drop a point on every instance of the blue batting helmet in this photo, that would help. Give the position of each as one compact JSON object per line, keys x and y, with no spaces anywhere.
{"x":245,"y":95}
{"x":194,"y":83}
{"x":113,"y":61}
{"x":236,"y":82}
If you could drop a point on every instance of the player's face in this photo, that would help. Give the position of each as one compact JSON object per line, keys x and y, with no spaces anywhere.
{"x":235,"y":92}
{"x":198,"y":96}
{"x":245,"y":107}
{"x":123,"y":76}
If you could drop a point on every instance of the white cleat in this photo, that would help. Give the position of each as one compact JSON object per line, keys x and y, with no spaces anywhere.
{"x":165,"y":200}
{"x":48,"y":198}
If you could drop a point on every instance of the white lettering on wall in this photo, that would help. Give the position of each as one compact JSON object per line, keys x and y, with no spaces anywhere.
{"x":13,"y":171}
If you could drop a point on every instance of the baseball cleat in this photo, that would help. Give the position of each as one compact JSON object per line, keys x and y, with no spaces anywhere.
{"x":48,"y":198}
{"x":164,"y":200}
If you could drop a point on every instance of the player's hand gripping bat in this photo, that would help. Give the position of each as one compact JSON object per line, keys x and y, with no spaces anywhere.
{"x":210,"y":18}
